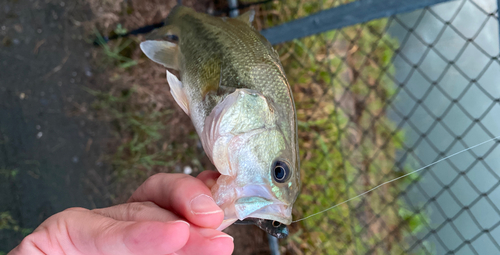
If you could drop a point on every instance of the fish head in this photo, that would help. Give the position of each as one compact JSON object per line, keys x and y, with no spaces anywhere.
{"x":253,"y":148}
{"x":265,"y":181}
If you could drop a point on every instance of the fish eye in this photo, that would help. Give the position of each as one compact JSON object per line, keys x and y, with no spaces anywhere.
{"x":276,"y":224}
{"x":171,"y":38}
{"x":281,"y":171}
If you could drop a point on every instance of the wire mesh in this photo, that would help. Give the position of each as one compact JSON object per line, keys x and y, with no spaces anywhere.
{"x":382,"y":98}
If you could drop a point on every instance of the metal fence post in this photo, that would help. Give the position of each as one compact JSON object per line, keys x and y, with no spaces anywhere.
{"x":342,"y":16}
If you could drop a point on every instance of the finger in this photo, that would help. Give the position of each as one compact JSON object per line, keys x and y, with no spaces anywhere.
{"x":208,"y":242}
{"x":79,"y":231}
{"x":208,"y":177}
{"x":182,"y":194}
{"x":137,"y":211}
{"x":211,"y":241}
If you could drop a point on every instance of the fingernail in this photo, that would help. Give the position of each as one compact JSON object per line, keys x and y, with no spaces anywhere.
{"x":185,"y":222}
{"x":210,"y":183}
{"x":214,"y":234}
{"x":222,"y":236}
{"x":204,"y":204}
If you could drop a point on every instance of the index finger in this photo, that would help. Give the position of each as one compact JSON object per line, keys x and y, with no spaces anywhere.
{"x":182,"y":194}
{"x":209,"y":177}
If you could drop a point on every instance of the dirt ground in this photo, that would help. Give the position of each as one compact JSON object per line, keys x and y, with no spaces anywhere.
{"x":51,"y":154}
{"x":54,"y":155}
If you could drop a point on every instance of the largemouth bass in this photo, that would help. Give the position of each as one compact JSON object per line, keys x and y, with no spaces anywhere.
{"x":233,"y":87}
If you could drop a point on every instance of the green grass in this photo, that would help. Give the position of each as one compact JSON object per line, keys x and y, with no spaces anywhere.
{"x":7,"y":222}
{"x":138,"y":131}
{"x":143,"y":144}
{"x":117,"y":53}
{"x":8,"y":173}
{"x":9,"y":226}
{"x":143,"y":125}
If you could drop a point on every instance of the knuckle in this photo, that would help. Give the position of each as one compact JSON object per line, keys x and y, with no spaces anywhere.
{"x":101,"y":211}
{"x":149,"y":204}
{"x":155,"y":179}
{"x":67,"y":213}
{"x":30,"y":243}
{"x":132,"y":209}
{"x":134,"y":206}
{"x":178,"y":186}
{"x":75,"y":209}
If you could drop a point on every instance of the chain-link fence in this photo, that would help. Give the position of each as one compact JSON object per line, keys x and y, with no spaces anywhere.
{"x":379,"y":99}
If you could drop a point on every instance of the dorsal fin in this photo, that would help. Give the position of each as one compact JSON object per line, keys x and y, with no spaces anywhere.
{"x":247,"y":17}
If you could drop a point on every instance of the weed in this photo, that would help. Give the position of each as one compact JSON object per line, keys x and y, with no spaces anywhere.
{"x":141,"y":132}
{"x":9,"y":174}
{"x":115,"y":52}
{"x":7,"y":222}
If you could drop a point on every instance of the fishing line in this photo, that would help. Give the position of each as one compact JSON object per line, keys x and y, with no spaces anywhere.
{"x":400,"y":177}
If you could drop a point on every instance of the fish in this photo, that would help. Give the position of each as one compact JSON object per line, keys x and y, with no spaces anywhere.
{"x":232,"y":85}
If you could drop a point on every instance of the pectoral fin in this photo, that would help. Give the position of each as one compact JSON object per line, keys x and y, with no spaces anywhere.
{"x":162,"y":52}
{"x":177,"y":91}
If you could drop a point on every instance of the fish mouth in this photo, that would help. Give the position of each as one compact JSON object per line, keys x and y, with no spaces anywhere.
{"x":257,"y":201}
{"x":273,"y":228}
{"x":279,"y":213}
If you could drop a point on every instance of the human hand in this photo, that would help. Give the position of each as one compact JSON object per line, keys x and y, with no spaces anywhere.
{"x":153,"y":221}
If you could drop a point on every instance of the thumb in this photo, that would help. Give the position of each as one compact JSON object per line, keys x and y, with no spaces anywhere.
{"x":80,"y":231}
